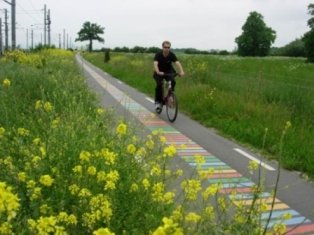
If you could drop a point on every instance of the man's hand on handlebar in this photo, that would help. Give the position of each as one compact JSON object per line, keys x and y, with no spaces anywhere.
{"x":181,"y":74}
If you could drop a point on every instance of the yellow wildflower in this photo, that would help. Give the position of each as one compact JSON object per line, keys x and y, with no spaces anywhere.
{"x":68,"y":219}
{"x":134,"y":187}
{"x":84,"y":192}
{"x":179,"y":172}
{"x":211,"y":190}
{"x":2,"y":131}
{"x":100,"y":111}
{"x":85,"y":156}
{"x":146,"y":183}
{"x":46,"y":225}
{"x":103,"y":231}
{"x":6,"y":228}
{"x":168,"y":197}
{"x":169,"y":227}
{"x":177,"y":213}
{"x":110,"y":157}
{"x":287,"y":216}
{"x":55,"y":123}
{"x":163,"y":139}
{"x":155,"y":170}
{"x":9,"y":202}
{"x":209,"y":211}
{"x":101,"y":176}
{"x":46,"y":180}
{"x":36,"y":141}
{"x":280,"y":228}
{"x":110,"y":185}
{"x":150,"y":144}
{"x":191,"y":188}
{"x":158,"y":191}
{"x":199,"y":159}
{"x":91,"y":170}
{"x":131,"y":148}
{"x":36,"y":193}
{"x":6,"y":83}
{"x":45,"y":209}
{"x":22,"y":131}
{"x":21,"y":176}
{"x":288,"y":125}
{"x":74,"y":189}
{"x":48,"y":107}
{"x":36,"y":160}
{"x":121,"y":129}
{"x":192,"y":217}
{"x":30,"y":184}
{"x":43,"y":151}
{"x":113,"y":175}
{"x":222,"y":203}
{"x":170,"y":151}
{"x":253,"y":165}
{"x":72,"y":219}
{"x":38,"y":104}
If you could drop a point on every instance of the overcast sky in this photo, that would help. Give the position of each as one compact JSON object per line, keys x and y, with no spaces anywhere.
{"x":200,"y":24}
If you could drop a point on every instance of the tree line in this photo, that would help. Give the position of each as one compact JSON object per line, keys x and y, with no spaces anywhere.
{"x":256,"y":40}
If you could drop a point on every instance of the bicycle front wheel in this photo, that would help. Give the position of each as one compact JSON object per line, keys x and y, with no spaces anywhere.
{"x":172,"y":107}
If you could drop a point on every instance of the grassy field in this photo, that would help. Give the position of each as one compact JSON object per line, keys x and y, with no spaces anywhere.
{"x":243,"y":98}
{"x":68,"y":166}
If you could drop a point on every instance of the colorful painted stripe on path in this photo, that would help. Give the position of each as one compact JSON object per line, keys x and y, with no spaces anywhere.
{"x":223,"y":174}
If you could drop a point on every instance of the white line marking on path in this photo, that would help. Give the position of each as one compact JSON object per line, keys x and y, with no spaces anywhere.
{"x":119,"y":82}
{"x":245,"y":154}
{"x":150,"y":100}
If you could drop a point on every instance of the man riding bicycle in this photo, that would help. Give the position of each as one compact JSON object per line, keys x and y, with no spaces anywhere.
{"x":162,"y":66}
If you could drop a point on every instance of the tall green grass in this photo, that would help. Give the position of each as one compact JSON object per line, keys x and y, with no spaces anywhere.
{"x":240,"y":97}
{"x":69,"y":166}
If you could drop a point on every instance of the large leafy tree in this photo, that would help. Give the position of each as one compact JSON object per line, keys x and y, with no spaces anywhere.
{"x":256,"y":38}
{"x":90,"y":31}
{"x":309,"y":36}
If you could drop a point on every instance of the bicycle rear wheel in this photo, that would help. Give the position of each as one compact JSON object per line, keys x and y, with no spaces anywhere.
{"x":172,"y":107}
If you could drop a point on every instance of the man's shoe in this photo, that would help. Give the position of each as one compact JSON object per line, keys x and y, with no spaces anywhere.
{"x":158,"y":108}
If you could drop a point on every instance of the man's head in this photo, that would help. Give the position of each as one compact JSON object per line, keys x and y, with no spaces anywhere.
{"x":166,"y":47}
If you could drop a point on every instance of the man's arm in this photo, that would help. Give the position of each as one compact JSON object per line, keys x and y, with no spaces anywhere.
{"x":156,"y":69}
{"x":179,"y":66}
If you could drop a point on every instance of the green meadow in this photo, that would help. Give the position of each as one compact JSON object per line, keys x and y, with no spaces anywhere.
{"x":247,"y":99}
{"x":69,"y":166}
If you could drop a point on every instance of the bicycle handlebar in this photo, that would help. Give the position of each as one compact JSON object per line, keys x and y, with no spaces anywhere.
{"x":171,"y":74}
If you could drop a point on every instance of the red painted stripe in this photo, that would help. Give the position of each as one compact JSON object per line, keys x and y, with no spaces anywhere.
{"x":194,"y":153}
{"x":225,"y":175}
{"x":237,"y":190}
{"x":304,"y":228}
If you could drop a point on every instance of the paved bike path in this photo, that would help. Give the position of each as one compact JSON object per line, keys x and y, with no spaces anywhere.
{"x":230,"y":179}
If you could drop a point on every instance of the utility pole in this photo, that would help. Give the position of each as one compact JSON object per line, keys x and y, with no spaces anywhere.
{"x":13,"y":25}
{"x":63,"y":38}
{"x":45,"y":23}
{"x":49,"y":22}
{"x":0,"y":36}
{"x":59,"y":40}
{"x":32,"y":37}
{"x":12,"y":3}
{"x":26,"y":39}
{"x":6,"y":30}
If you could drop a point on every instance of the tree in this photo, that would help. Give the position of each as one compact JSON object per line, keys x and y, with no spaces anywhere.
{"x":292,"y":49}
{"x":90,"y":32}
{"x":256,"y":38}
{"x":308,"y":37}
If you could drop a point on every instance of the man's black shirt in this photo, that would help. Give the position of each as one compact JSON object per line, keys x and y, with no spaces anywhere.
{"x":165,"y":63}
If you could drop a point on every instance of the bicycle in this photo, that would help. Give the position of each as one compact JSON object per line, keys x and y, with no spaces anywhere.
{"x":169,"y":98}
